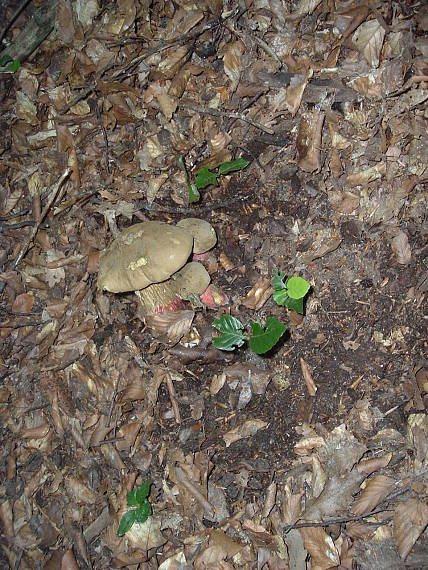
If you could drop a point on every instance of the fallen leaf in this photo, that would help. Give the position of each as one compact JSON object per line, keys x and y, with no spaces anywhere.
{"x":368,"y":39}
{"x":410,"y":519}
{"x":374,"y":493}
{"x":401,"y":247}
{"x":321,"y":547}
{"x":307,"y":375}
{"x":247,"y":429}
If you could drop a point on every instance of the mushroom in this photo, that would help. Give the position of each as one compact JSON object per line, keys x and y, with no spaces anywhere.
{"x":150,"y":259}
{"x":202,"y":232}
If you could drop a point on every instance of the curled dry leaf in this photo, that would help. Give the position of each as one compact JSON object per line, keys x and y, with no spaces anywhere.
{"x":173,"y":324}
{"x":401,"y":247}
{"x":321,"y":548}
{"x":410,"y":519}
{"x":225,"y":262}
{"x":247,"y":429}
{"x":307,"y":375}
{"x":309,"y":141}
{"x":258,"y":295}
{"x":374,"y":493}
{"x":232,"y":62}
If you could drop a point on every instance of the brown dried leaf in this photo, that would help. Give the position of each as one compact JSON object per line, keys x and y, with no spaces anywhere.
{"x":232,"y":61}
{"x":410,"y":519}
{"x":80,"y":492}
{"x":401,"y":247}
{"x":374,"y":493}
{"x":321,"y":547}
{"x":225,"y":262}
{"x":309,"y":141}
{"x":371,"y":465}
{"x":366,"y":176}
{"x":175,"y":324}
{"x":307,"y":375}
{"x":247,"y":429}
{"x":23,"y":303}
{"x":258,"y":295}
{"x":368,"y":39}
{"x":348,"y":203}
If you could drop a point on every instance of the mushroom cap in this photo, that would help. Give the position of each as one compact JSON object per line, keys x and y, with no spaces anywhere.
{"x":192,"y":279}
{"x":202,"y":231}
{"x":143,"y":254}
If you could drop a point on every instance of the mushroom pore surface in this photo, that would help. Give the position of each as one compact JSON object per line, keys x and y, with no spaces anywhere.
{"x":143,"y":254}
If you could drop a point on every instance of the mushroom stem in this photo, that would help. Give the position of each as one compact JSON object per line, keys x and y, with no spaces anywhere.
{"x":159,"y":297}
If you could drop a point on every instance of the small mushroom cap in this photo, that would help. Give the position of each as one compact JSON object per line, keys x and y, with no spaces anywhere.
{"x":192,"y":279}
{"x":202,"y":231}
{"x":143,"y":254}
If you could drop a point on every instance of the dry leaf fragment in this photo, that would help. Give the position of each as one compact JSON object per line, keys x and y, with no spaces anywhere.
{"x":232,"y":62}
{"x":410,"y":519}
{"x":321,"y":548}
{"x":225,"y":262}
{"x":258,"y":295}
{"x":23,"y":303}
{"x":401,"y":247}
{"x":247,"y":429}
{"x":175,"y":324}
{"x":307,"y":375}
{"x":368,"y":39}
{"x":366,"y":176}
{"x":309,"y":141}
{"x":374,"y":493}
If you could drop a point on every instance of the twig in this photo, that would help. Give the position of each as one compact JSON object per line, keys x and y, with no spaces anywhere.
{"x":336,"y":520}
{"x":100,"y":122}
{"x":232,"y":115}
{"x":173,"y":398}
{"x":46,"y":209}
{"x":15,"y":16}
{"x":179,"y":210}
{"x":18,"y":225}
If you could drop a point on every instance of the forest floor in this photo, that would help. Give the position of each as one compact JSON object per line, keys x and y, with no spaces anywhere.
{"x":312,"y":456}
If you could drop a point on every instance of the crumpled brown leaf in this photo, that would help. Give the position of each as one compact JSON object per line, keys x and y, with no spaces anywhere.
{"x":410,"y":519}
{"x":401,"y":247}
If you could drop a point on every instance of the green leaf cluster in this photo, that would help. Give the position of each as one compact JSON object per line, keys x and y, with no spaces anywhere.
{"x":261,"y":340}
{"x":11,"y":64}
{"x":206,"y":177}
{"x":290,"y":292}
{"x":140,"y":510}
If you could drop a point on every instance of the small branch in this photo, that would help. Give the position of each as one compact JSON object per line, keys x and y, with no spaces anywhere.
{"x":36,"y":227}
{"x":232,"y":115}
{"x":336,"y":520}
{"x":18,"y":11}
{"x":173,"y":397}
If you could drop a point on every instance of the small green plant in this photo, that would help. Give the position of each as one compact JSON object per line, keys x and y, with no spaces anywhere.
{"x":260,"y":340}
{"x":140,"y":509}
{"x":289,"y":292}
{"x":11,"y":64}
{"x":206,"y":177}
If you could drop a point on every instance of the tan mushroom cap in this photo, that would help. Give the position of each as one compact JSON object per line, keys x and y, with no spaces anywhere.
{"x":202,"y":232}
{"x":192,"y":279}
{"x":143,"y":254}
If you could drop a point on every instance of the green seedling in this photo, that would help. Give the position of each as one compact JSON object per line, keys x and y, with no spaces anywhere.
{"x":140,"y":509}
{"x":9,"y":63}
{"x":233,"y":335}
{"x":206,"y":177}
{"x":289,"y":292}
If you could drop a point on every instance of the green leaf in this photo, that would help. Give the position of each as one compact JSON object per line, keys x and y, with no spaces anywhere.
{"x":143,"y":512}
{"x":14,"y":65}
{"x":5,"y":59}
{"x":278,"y":280}
{"x":280,"y":296}
{"x":126,"y":522}
{"x":295,"y":305}
{"x":263,"y":340}
{"x":194,"y":195}
{"x":233,"y":166}
{"x":204,"y":178}
{"x":232,"y":335}
{"x":297,"y":287}
{"x":143,"y":491}
{"x":131,"y":498}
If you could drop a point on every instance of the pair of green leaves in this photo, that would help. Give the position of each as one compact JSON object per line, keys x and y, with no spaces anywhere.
{"x":289,"y":292}
{"x":11,"y":64}
{"x":260,"y":341}
{"x":141,"y":508}
{"x":206,"y":177}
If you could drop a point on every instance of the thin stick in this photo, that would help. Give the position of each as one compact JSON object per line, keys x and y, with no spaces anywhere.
{"x":46,"y":209}
{"x":336,"y":520}
{"x":232,"y":115}
{"x":173,"y":397}
{"x":20,"y":9}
